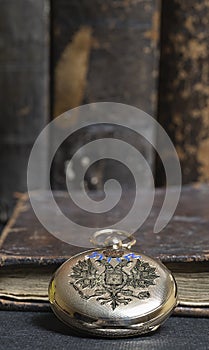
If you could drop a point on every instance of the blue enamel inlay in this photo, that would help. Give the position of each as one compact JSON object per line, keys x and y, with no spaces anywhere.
{"x":101,"y":256}
{"x":96,"y":255}
{"x":132,"y":255}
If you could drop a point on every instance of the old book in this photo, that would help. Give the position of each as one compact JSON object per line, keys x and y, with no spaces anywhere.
{"x":24,"y":77}
{"x":29,"y":254}
{"x":103,"y":51}
{"x":183,"y":84}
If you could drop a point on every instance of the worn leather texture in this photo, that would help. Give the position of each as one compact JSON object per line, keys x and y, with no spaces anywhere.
{"x":185,"y":239}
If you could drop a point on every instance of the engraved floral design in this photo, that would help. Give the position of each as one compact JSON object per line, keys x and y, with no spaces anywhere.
{"x":112,"y":282}
{"x":142,"y":275}
{"x":85,"y":274}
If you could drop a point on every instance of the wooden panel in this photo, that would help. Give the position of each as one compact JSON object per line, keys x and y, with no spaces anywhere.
{"x":24,"y":48}
{"x":184,"y":84}
{"x":103,"y":51}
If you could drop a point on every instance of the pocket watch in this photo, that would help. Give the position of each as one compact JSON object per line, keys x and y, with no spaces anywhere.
{"x":112,"y":291}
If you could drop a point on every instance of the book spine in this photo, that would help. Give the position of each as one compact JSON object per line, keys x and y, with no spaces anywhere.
{"x":24,"y":67}
{"x":103,"y":51}
{"x":183,"y":84}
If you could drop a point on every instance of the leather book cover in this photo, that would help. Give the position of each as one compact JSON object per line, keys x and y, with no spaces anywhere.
{"x":183,"y":245}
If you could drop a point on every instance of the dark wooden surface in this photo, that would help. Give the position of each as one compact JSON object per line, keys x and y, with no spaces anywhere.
{"x":183,"y":85}
{"x":24,"y":55}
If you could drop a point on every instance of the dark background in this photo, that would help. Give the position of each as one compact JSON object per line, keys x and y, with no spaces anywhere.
{"x":59,"y":54}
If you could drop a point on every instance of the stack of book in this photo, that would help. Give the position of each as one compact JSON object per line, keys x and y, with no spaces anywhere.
{"x":29,"y":254}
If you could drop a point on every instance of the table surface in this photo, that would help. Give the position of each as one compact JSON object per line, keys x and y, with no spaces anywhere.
{"x":42,"y":330}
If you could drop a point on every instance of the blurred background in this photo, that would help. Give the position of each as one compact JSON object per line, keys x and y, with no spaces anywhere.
{"x":58,"y":54}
